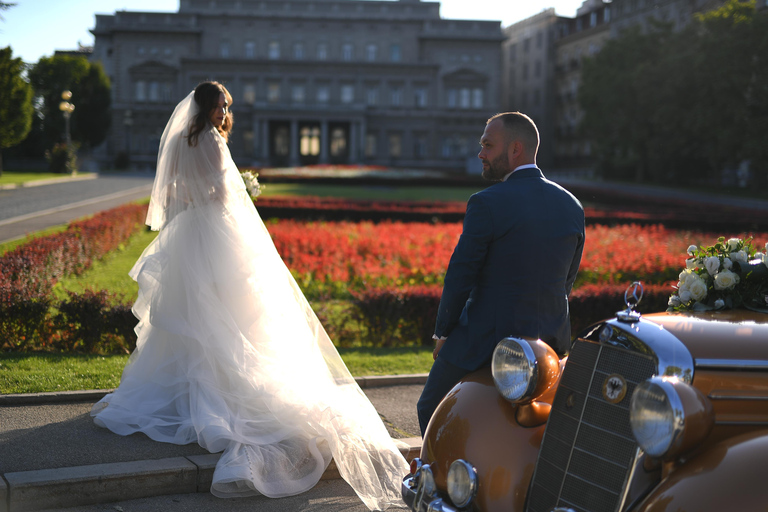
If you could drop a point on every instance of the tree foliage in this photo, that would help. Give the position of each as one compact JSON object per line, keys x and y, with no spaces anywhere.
{"x":15,"y":101}
{"x":681,"y":106}
{"x":90,"y":89}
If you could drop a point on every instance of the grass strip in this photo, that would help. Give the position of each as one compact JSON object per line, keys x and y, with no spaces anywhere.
{"x":368,"y":192}
{"x":19,"y":177}
{"x":38,"y":373}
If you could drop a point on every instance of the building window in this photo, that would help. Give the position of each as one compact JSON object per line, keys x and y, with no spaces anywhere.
{"x":322,"y":51}
{"x":298,"y":51}
{"x":394,"y":53}
{"x":323,"y":94}
{"x":141,"y":91}
{"x":452,"y":98}
{"x":167,"y":91}
{"x":338,"y":142}
{"x":250,"y":50}
{"x":274,"y":50}
{"x":140,"y":50}
{"x":347,"y":93}
{"x":370,"y":52}
{"x":477,"y":98}
{"x":539,"y":39}
{"x":154,"y":91}
{"x":512,"y":52}
{"x":526,"y":44}
{"x":297,"y":94}
{"x":525,"y":71}
{"x":309,"y":144}
{"x":537,"y":97}
{"x":395,"y":145}
{"x":396,"y":97}
{"x":370,"y":145}
{"x":281,"y":141}
{"x":420,"y":146}
{"x":224,"y":49}
{"x":465,"y":98}
{"x":248,"y":143}
{"x":537,"y":69}
{"x":593,"y":18}
{"x":273,"y":92}
{"x":607,"y":13}
{"x":346,"y":52}
{"x":372,"y":97}
{"x":420,"y":97}
{"x":249,"y":94}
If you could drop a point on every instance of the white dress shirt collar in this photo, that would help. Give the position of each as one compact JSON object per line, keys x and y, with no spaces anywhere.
{"x":524,"y":166}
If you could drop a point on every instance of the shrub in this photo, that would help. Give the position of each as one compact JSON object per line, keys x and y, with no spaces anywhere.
{"x":62,"y":158}
{"x":89,"y":323}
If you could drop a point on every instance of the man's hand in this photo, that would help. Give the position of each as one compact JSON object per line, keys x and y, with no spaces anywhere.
{"x":438,"y":345}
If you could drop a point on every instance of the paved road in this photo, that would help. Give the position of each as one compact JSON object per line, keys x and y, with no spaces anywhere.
{"x":326,"y":496}
{"x":28,"y":209}
{"x":62,"y":435}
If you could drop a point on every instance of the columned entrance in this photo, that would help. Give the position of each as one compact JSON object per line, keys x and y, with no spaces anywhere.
{"x":309,"y":142}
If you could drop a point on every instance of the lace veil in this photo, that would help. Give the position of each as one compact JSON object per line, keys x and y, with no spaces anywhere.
{"x":187,"y":175}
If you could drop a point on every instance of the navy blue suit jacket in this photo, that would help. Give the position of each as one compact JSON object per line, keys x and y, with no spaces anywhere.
{"x":512,"y":269}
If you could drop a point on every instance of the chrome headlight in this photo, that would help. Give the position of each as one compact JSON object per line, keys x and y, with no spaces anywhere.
{"x":462,"y":483}
{"x":514,"y":369}
{"x":668,"y":416}
{"x":524,"y":369}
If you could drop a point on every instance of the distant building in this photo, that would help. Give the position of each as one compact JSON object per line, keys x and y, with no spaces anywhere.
{"x":628,"y":13}
{"x":528,"y":74}
{"x":579,"y":37}
{"x":326,"y":81}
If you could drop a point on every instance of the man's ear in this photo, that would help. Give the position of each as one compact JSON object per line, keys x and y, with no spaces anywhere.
{"x":514,"y":150}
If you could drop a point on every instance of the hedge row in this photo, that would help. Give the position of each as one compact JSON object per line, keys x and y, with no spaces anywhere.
{"x":608,"y":208}
{"x":30,"y":318}
{"x":406,"y":316}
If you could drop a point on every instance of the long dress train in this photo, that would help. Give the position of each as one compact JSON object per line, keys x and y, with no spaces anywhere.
{"x":230,"y":354}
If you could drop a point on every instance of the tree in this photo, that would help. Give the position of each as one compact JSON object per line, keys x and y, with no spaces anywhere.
{"x":15,"y":102}
{"x":681,"y":106}
{"x":90,"y":89}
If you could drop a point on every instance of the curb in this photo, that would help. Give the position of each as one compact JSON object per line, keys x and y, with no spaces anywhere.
{"x":106,"y":483}
{"x":49,"y":181}
{"x":94,"y":395}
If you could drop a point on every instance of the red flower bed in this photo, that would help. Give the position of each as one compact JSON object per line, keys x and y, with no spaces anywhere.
{"x":28,"y":273}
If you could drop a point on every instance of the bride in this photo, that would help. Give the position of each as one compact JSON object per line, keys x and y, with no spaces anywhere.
{"x":229,"y":354}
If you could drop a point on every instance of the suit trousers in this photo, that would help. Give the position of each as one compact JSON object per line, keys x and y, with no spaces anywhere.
{"x":442,"y":377}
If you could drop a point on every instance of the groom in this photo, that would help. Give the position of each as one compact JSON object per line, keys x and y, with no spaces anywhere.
{"x":514,"y":265}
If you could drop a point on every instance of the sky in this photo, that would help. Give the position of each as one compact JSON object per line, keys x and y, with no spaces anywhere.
{"x":36,"y":28}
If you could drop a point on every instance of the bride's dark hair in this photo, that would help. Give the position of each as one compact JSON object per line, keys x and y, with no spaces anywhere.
{"x":207,"y":98}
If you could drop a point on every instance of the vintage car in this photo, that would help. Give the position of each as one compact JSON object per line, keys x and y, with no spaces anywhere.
{"x":660,"y":412}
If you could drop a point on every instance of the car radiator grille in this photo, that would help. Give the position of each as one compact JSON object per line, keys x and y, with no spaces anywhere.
{"x":588,"y":449}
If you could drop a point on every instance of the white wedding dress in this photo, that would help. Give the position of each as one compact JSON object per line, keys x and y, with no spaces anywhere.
{"x":230,"y":354}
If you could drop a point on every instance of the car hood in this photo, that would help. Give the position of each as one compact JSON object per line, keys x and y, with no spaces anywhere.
{"x":732,"y":334}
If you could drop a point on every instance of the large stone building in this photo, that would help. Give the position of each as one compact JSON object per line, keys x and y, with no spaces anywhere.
{"x":313,"y":81}
{"x":579,"y":38}
{"x":528,"y":74}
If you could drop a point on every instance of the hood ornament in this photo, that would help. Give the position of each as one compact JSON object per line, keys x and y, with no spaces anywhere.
{"x":632,"y":297}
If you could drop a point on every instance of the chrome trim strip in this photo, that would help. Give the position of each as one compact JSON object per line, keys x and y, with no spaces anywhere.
{"x":737,"y":397}
{"x":647,"y":337}
{"x":739,"y":364}
{"x":742,"y":423}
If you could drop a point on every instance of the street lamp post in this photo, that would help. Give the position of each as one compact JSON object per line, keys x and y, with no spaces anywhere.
{"x":128,"y":122}
{"x":67,"y":108}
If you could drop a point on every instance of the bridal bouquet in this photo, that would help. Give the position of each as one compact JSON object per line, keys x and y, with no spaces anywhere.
{"x":726,"y":275}
{"x":251,"y":183}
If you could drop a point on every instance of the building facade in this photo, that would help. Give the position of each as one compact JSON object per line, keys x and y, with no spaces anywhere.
{"x":313,"y":81}
{"x":578,"y":38}
{"x":528,"y":74}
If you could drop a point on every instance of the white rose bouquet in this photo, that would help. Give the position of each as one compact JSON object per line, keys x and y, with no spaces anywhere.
{"x":729,"y":274}
{"x":252,"y":184}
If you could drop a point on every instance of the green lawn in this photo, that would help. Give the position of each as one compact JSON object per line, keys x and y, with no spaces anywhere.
{"x":37,"y":373}
{"x":18,"y":177}
{"x":111,"y":273}
{"x":382,"y":191}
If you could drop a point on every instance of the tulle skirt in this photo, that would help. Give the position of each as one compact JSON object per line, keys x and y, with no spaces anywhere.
{"x":231,"y":356}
